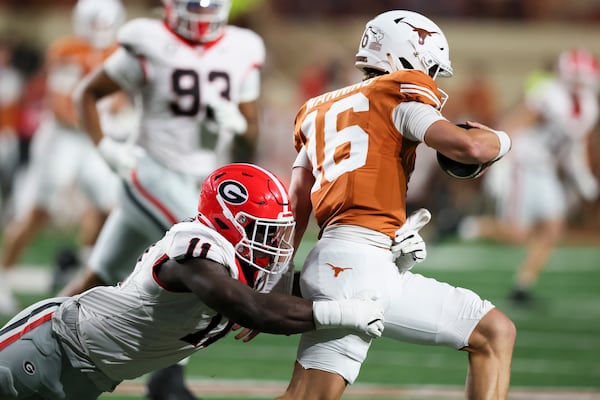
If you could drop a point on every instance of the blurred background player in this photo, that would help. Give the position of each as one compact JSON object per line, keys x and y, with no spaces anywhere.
{"x":548,"y":171}
{"x":197,"y":80}
{"x":63,"y":156}
{"x":11,"y":90}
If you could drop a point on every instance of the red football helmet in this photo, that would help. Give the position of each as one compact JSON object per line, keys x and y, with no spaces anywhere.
{"x":199,"y":21}
{"x":579,"y":67}
{"x":250,"y":207}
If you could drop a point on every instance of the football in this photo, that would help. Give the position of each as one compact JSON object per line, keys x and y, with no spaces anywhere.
{"x":457,"y":169}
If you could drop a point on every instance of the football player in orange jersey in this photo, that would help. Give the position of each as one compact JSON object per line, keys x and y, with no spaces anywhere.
{"x":356,"y":152}
{"x":549,"y":171}
{"x":61,"y":155}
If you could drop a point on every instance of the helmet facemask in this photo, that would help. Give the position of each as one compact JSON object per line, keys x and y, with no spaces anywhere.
{"x":265,"y":244}
{"x":199,"y":21}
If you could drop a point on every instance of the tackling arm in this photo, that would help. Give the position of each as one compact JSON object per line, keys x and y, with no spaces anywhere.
{"x":270,"y":313}
{"x":274,"y":313}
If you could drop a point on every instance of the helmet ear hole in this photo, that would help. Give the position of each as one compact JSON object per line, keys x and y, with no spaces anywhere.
{"x":405,"y":63}
{"x":433,"y":71}
{"x":221,"y":224}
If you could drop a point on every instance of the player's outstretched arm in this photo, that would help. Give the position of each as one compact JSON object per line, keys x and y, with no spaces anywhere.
{"x":274,"y":313}
{"x":478,"y":145}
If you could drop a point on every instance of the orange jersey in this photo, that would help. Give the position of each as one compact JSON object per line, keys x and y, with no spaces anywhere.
{"x":77,"y":52}
{"x":69,"y":60}
{"x":361,"y":162}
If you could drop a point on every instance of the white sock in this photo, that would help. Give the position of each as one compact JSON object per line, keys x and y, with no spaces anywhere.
{"x":8,"y":303}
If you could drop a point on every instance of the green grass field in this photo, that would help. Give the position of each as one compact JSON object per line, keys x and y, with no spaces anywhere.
{"x":557,"y":350}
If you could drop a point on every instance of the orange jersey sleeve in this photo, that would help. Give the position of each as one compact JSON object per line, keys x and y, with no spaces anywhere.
{"x":360,"y":160}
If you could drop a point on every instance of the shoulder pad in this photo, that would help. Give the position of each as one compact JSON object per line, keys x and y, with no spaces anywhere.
{"x":140,"y":36}
{"x":66,"y":46}
{"x":415,"y":86}
{"x":192,"y":240}
{"x":251,"y":43}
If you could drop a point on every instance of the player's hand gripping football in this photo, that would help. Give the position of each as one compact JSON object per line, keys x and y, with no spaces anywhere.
{"x":363,"y":313}
{"x":408,"y":247}
{"x":121,"y":157}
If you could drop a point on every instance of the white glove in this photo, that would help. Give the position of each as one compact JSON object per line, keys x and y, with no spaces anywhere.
{"x":408,"y":247}
{"x":121,"y":157}
{"x":227,"y":115}
{"x":362,"y":313}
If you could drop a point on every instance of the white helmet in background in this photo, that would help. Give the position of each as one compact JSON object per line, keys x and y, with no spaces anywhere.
{"x":401,"y":40}
{"x":198,"y":21}
{"x":97,"y":21}
{"x":579,"y":67}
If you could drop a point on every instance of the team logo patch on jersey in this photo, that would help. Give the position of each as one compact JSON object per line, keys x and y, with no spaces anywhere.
{"x":29,"y":367}
{"x":337,"y":270}
{"x":233,"y":192}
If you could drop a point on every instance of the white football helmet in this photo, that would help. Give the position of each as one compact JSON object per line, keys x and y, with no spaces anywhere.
{"x":199,"y":21}
{"x":97,"y":21}
{"x":578,"y":67}
{"x":400,"y":40}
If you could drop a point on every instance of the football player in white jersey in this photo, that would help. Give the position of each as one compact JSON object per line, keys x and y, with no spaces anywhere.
{"x":550,"y":134}
{"x":356,"y":152}
{"x":197,"y":81}
{"x":63,"y":156}
{"x":185,"y":293}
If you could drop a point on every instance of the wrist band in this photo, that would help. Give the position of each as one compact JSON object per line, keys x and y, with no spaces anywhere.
{"x":505,"y":143}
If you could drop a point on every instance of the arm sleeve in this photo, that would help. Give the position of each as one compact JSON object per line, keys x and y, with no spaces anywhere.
{"x":125,"y":68}
{"x":412,"y":119}
{"x":302,"y":160}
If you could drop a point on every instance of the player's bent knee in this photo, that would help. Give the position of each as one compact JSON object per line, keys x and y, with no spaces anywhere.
{"x":495,"y":332}
{"x":7,"y":384}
